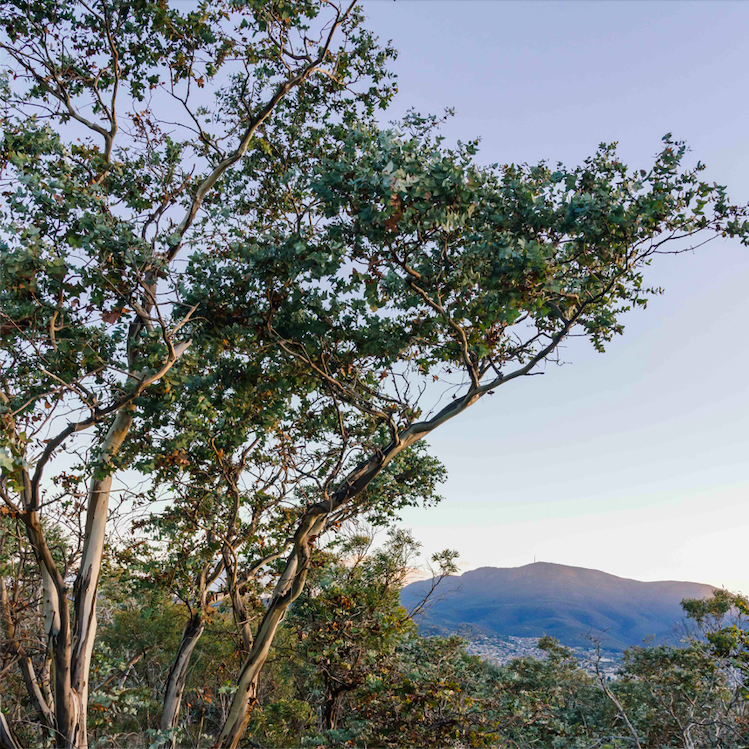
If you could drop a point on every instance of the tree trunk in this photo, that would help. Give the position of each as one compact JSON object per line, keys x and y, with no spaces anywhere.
{"x":38,"y":700}
{"x":290,"y":586}
{"x":67,"y":701}
{"x":332,"y":707}
{"x":56,"y":613}
{"x":246,"y":695}
{"x":7,"y":739}
{"x":86,"y":584}
{"x":70,"y":648}
{"x":287,"y":590}
{"x":175,"y":685}
{"x":294,"y":576}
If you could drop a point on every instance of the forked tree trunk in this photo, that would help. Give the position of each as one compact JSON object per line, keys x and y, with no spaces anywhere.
{"x":291,"y":584}
{"x":175,"y":686}
{"x":70,"y":648}
{"x":192,"y":633}
{"x":287,"y":590}
{"x":294,"y":576}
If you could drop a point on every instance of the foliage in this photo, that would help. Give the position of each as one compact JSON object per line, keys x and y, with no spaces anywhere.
{"x":119,"y":121}
{"x":348,"y":632}
{"x":350,"y":621}
{"x":225,"y":283}
{"x":723,"y":621}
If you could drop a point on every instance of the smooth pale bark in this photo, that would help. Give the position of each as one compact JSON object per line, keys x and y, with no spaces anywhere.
{"x":313,"y":523}
{"x":7,"y":738}
{"x":178,"y":674}
{"x":56,"y":620}
{"x":71,"y":647}
{"x":288,"y":588}
{"x":86,"y":584}
{"x":194,"y":630}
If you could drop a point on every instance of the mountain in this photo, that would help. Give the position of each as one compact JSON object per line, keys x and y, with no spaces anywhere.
{"x":554,"y":599}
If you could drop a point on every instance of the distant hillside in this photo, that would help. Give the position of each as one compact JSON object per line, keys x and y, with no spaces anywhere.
{"x":553,"y":599}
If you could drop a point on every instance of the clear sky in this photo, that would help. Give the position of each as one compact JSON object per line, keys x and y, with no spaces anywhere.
{"x":634,"y":462}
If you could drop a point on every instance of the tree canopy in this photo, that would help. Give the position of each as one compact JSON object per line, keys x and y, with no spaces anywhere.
{"x":223,"y":278}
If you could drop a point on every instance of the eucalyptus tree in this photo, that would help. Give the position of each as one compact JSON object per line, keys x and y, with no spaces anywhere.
{"x":200,"y":191}
{"x":225,"y":472}
{"x":238,"y":458}
{"x":410,"y":272}
{"x":120,"y":123}
{"x":215,"y":542}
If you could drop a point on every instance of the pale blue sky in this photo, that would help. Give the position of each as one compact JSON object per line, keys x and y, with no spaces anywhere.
{"x":634,"y":462}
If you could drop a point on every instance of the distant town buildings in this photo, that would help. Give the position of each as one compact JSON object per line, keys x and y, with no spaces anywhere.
{"x":502,"y":650}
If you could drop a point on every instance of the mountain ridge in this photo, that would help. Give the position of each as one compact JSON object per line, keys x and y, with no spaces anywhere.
{"x":583,"y":569}
{"x":566,"y":602}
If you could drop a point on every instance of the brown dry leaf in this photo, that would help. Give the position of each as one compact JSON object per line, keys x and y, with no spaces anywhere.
{"x":112,"y":316}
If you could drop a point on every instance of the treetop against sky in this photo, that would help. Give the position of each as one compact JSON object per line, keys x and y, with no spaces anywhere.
{"x":221,"y":271}
{"x":643,"y":448}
